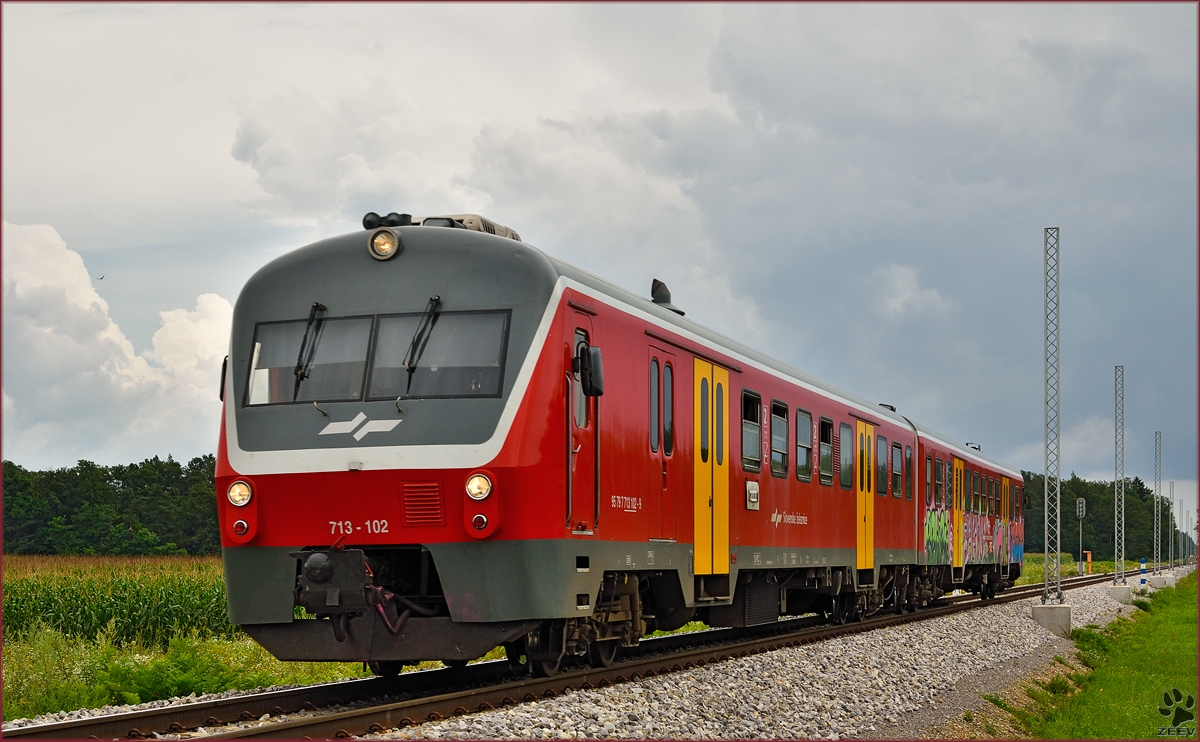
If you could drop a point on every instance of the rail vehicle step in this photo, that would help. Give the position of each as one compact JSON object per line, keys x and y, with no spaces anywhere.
{"x":711,"y":588}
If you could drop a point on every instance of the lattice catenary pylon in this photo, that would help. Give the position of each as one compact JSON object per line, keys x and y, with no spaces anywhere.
{"x":1119,"y":479}
{"x":1051,"y":484}
{"x":1157,"y":500}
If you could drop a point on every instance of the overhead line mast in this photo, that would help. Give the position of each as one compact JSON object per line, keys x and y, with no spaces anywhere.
{"x":1119,"y":479}
{"x":1157,"y":500}
{"x":1051,"y":486}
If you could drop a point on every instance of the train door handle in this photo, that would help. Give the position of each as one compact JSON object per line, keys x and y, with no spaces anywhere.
{"x":576,"y":449}
{"x":664,"y":475}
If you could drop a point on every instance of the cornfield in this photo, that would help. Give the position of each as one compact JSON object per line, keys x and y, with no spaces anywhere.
{"x":146,"y":599}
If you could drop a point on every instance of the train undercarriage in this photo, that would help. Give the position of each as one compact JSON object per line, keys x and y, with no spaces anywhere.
{"x":387,"y":606}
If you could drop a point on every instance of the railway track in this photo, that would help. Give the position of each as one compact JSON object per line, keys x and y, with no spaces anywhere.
{"x":416,"y":697}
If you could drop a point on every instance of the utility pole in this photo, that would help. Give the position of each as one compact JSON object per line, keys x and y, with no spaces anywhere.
{"x":1157,"y":498}
{"x":1119,"y":480}
{"x":1052,"y":487}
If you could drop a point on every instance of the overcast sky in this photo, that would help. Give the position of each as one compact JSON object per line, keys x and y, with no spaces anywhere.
{"x":857,"y":190}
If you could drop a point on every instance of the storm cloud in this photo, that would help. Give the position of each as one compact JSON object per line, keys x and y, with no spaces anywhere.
{"x":858,"y":190}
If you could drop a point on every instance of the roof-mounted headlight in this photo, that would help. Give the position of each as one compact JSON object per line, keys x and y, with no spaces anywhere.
{"x":383,"y":244}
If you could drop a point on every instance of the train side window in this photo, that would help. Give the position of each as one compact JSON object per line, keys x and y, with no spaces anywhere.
{"x":803,"y":446}
{"x":908,"y":473}
{"x":751,"y":431}
{"x":704,"y":420}
{"x":825,"y":452}
{"x":654,"y":405}
{"x":846,"y":440}
{"x":897,"y":470}
{"x":668,"y":401}
{"x":720,"y":424}
{"x":995,"y":496}
{"x":928,"y":480}
{"x":881,"y":465}
{"x":581,"y":400}
{"x":779,"y":439}
{"x":975,"y":491}
{"x":937,"y":482}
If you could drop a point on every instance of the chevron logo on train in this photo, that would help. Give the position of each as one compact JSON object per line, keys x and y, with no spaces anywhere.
{"x":372,"y":426}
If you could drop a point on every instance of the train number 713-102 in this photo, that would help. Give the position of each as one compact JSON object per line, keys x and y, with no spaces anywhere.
{"x":345,"y":527}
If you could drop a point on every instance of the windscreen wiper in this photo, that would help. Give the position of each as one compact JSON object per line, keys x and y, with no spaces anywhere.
{"x":307,"y":351}
{"x":420,"y":338}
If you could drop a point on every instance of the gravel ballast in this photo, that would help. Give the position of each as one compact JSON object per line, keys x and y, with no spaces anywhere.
{"x":891,"y":682}
{"x":851,"y":686}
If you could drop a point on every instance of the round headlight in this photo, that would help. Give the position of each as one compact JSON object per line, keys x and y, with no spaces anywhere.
{"x":478,"y":487}
{"x":383,"y":244}
{"x":239,"y":493}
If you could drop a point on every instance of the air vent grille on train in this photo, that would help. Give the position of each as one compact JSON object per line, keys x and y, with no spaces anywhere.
{"x":422,"y":504}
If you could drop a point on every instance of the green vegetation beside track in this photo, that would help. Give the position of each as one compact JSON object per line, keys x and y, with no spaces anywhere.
{"x":1130,"y":664}
{"x":1033,"y":569}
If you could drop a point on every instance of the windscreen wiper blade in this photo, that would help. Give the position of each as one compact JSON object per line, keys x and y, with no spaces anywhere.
{"x":420,"y":338}
{"x":307,"y":351}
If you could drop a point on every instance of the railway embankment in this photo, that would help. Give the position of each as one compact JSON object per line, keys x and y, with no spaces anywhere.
{"x":1131,"y":679}
{"x":895,"y":681}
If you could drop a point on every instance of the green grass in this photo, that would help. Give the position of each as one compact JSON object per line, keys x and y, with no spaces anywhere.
{"x":49,"y":671}
{"x":1133,"y":661}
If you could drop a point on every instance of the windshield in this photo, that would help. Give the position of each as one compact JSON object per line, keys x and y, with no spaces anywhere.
{"x":462,"y":355}
{"x":339,"y":360}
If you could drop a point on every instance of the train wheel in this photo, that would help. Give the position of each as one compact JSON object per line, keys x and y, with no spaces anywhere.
{"x":602,"y":654}
{"x":841,"y":610}
{"x":386,"y":669}
{"x":515,"y":652}
{"x":546,"y":668}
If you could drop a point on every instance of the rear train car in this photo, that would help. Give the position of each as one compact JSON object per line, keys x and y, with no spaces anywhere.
{"x":437,"y":439}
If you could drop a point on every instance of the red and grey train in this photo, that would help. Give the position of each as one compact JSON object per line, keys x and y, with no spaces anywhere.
{"x":437,"y":439}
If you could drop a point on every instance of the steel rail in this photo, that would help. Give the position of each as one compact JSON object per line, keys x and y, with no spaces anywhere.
{"x":409,"y":713}
{"x":438,"y":693}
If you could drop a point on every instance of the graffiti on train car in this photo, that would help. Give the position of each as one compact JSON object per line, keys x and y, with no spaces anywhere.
{"x":1017,"y":531}
{"x":1001,"y":541}
{"x":937,"y":536}
{"x":976,"y":538}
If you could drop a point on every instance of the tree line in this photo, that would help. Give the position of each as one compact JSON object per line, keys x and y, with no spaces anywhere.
{"x":164,"y":507}
{"x":1099,"y":518}
{"x":155,"y":507}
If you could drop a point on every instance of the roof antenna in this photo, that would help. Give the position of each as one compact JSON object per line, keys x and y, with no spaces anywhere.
{"x":661,"y":295}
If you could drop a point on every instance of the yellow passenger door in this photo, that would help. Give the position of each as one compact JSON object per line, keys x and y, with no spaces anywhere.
{"x":710,"y":454}
{"x":865,"y":488}
{"x":959,"y":504}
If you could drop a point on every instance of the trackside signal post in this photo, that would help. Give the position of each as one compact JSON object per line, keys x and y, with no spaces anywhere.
{"x":1056,"y":618}
{"x":1080,"y":511}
